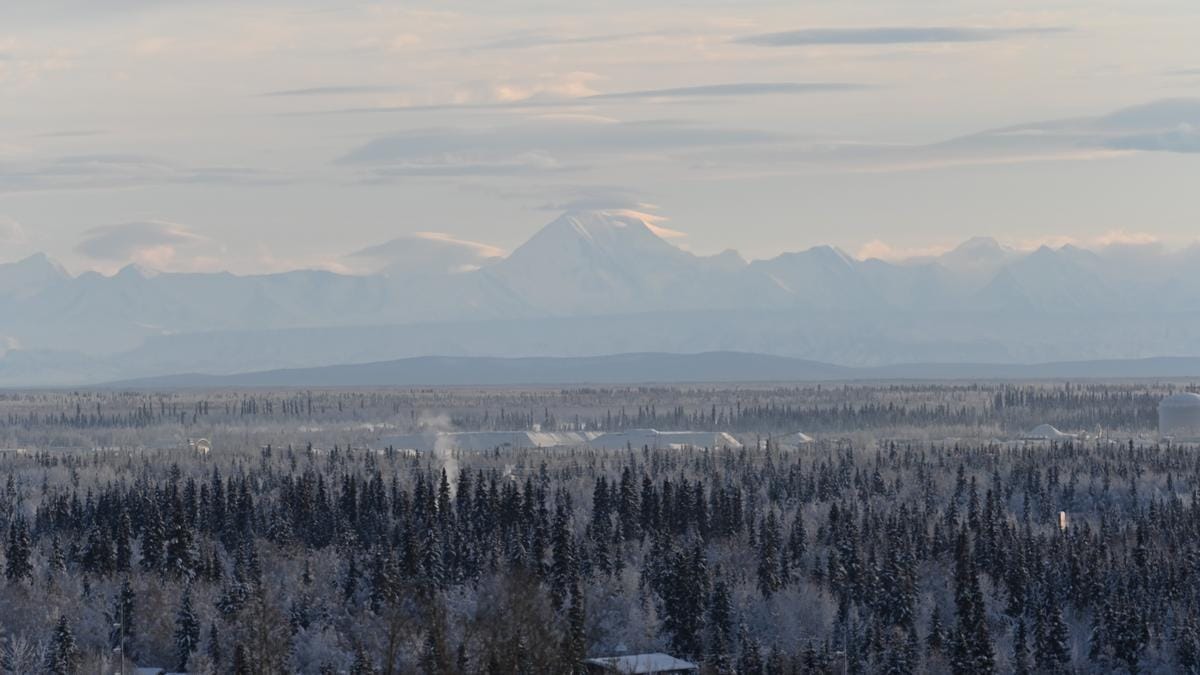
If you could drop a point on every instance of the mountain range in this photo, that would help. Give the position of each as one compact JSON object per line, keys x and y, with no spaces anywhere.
{"x":602,"y":282}
{"x":645,"y":368}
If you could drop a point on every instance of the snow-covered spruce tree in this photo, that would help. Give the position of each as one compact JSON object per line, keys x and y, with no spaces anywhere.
{"x":971,"y":648}
{"x":213,"y":648}
{"x":180,"y":552}
{"x":123,"y":546}
{"x":797,"y":543}
{"x":1019,"y":662}
{"x":187,"y":631}
{"x":770,"y":559}
{"x":1051,"y":650}
{"x":62,"y":655}
{"x":122,"y":616}
{"x":935,"y":638}
{"x":720,"y":624}
{"x":563,"y":557}
{"x":153,"y":534}
{"x":575,"y":642}
{"x":18,"y":552}
{"x":750,"y":661}
{"x":98,"y":556}
{"x":684,"y":594}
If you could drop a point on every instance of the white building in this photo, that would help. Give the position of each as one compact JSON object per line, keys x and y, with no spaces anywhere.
{"x":663,"y":440}
{"x":1045,"y":432}
{"x":641,"y":664}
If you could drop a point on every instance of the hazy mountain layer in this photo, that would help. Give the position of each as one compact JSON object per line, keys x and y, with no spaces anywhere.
{"x":711,"y":367}
{"x":603,"y":282}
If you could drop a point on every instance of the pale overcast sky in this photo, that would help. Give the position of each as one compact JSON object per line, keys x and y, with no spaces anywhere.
{"x":260,"y":136}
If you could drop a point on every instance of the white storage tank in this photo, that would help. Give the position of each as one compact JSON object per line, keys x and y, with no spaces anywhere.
{"x":1179,"y":416}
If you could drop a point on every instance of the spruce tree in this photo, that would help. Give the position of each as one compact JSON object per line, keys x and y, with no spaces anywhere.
{"x":936,"y":638}
{"x":152,"y":541}
{"x":563,"y":560}
{"x":58,"y":561}
{"x":769,"y":561}
{"x":972,"y":651}
{"x":1020,"y":650}
{"x":213,"y":648}
{"x":684,"y":593}
{"x":18,"y":553}
{"x":123,"y":618}
{"x":797,"y":541}
{"x":187,"y":631}
{"x":1050,"y":641}
{"x":98,"y":556}
{"x":720,"y":623}
{"x":749,"y":654}
{"x":575,"y":646}
{"x":1187,"y":645}
{"x":180,"y":561}
{"x":62,"y":657}
{"x":896,"y":655}
{"x":124,"y":542}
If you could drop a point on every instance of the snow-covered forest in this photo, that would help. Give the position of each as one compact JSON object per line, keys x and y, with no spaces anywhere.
{"x":871,"y":550}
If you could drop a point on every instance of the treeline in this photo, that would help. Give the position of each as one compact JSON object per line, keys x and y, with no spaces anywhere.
{"x":891,"y":559}
{"x":815,"y":408}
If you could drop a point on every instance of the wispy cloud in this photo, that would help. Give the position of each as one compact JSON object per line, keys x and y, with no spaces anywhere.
{"x":154,"y":243}
{"x":118,"y":171}
{"x":734,"y":89}
{"x":1171,"y":125}
{"x":439,"y":107}
{"x":11,"y":231}
{"x":554,"y":138}
{"x":336,"y":90}
{"x":1127,"y":238}
{"x":396,"y":246}
{"x":455,"y":166}
{"x":424,"y":252}
{"x":881,"y":250}
{"x":890,"y":35}
{"x":547,"y":90}
{"x":532,"y":40}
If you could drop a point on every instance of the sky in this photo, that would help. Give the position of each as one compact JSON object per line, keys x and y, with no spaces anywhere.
{"x":190,"y":135}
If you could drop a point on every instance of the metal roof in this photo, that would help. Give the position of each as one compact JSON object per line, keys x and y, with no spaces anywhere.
{"x":635,"y":664}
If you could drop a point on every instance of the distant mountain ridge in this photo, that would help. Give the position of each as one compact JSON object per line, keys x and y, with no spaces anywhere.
{"x":602,"y":282}
{"x":651,"y":368}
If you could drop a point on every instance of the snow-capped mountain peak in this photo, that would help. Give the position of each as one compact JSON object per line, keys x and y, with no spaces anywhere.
{"x":600,"y":232}
{"x":30,"y":274}
{"x":594,"y":266}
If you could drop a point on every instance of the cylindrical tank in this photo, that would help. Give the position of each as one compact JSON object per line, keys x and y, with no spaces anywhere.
{"x":1179,"y":416}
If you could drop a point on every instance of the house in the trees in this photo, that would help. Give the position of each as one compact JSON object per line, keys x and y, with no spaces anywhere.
{"x":640,"y":664}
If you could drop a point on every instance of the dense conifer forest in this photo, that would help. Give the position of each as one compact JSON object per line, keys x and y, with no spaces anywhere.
{"x":84,"y":418}
{"x":871,"y":556}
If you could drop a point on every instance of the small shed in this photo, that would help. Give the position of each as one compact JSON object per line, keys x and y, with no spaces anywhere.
{"x":641,"y":664}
